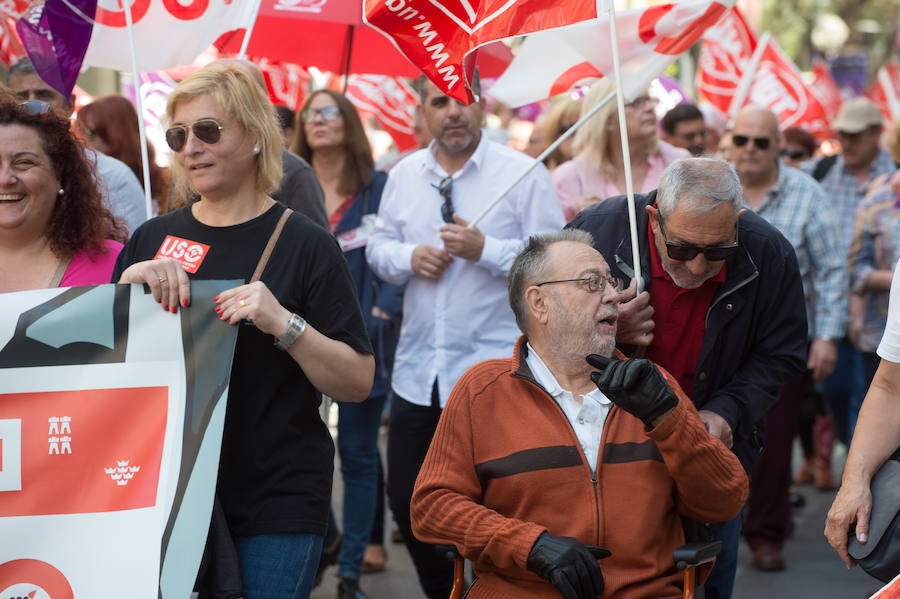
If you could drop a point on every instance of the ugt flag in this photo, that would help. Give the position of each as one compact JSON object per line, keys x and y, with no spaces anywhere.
{"x":650,"y":39}
{"x":726,"y":48}
{"x":439,"y":36}
{"x":391,"y":101}
{"x":111,"y":418}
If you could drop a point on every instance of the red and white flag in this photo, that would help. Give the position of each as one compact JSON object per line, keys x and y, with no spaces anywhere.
{"x":391,"y":101}
{"x":167,"y":33}
{"x":650,"y":39}
{"x":726,"y":47}
{"x":825,"y":88}
{"x":11,"y":49}
{"x":439,"y":36}
{"x":286,"y":82}
{"x":885,"y":91}
{"x":777,"y":84}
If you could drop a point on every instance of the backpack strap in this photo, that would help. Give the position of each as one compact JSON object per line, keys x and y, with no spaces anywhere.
{"x":264,"y":259}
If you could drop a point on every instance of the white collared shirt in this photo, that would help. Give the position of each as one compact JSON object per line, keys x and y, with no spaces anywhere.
{"x":464,"y":317}
{"x":586,"y":417}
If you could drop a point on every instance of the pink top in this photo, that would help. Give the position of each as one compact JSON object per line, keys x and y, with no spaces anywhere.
{"x":84,"y":271}
{"x":577,"y":178}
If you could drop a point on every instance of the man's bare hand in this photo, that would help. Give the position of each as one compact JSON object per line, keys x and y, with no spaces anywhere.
{"x":822,"y":358}
{"x":462,"y":240}
{"x":717,"y":427}
{"x":635,"y":324}
{"x":430,"y":262}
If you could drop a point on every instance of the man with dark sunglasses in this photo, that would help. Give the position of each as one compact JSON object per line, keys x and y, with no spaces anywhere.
{"x":721,"y":307}
{"x":794,"y":203}
{"x":119,"y":186}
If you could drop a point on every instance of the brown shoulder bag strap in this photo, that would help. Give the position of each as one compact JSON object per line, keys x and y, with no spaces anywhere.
{"x":271,"y":245}
{"x":60,"y":271}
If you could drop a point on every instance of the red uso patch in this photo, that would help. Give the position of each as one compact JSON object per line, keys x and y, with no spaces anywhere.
{"x":189,"y":253}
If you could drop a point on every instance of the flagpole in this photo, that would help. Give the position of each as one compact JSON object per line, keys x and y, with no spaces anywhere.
{"x":743,"y":90}
{"x":242,"y":53}
{"x":626,"y":151}
{"x":542,"y":156}
{"x":142,"y":128}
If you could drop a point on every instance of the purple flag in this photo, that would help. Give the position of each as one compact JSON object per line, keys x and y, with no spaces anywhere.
{"x":56,"y":34}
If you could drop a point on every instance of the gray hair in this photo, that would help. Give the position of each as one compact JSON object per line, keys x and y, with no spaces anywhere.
{"x":24,"y":66}
{"x":530,"y":263}
{"x":703,"y":183}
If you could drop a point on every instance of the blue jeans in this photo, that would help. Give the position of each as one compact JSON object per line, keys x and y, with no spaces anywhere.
{"x":278,"y":566}
{"x":844,"y":391}
{"x":720,"y":584}
{"x":357,"y":442}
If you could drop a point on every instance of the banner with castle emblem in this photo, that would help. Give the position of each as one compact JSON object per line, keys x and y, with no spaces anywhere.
{"x":111,"y":418}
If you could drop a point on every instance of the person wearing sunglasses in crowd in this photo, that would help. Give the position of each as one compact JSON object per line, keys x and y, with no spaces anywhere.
{"x":798,"y":145}
{"x":120,"y":188}
{"x":54,"y":229}
{"x":791,"y":201}
{"x":721,"y":309}
{"x":454,"y":307}
{"x":597,"y":171}
{"x":301,"y":334}
{"x":331,"y":137}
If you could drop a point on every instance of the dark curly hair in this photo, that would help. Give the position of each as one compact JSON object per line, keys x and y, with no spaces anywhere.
{"x":79,"y":221}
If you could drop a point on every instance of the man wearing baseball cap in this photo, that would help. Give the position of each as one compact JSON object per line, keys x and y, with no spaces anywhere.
{"x":846,"y":179}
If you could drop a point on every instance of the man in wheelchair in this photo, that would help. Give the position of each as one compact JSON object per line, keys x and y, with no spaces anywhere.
{"x":542,"y":460}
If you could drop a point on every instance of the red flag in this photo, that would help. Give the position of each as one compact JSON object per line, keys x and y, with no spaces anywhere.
{"x":650,"y":39}
{"x":777,"y":84}
{"x":726,"y":47}
{"x":826,"y":88}
{"x":286,"y":82}
{"x":439,"y":36}
{"x":11,"y":49}
{"x":885,"y":91}
{"x":391,"y":101}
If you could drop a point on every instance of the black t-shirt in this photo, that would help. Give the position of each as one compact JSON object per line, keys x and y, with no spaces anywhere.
{"x":277,"y":458}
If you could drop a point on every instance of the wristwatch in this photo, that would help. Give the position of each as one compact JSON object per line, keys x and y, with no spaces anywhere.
{"x":295,"y":327}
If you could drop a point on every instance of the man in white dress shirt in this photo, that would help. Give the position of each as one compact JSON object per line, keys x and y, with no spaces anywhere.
{"x":455,"y":309}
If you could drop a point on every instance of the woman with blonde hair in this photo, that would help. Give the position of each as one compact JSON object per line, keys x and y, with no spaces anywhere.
{"x":598,"y":170}
{"x":303,"y":333}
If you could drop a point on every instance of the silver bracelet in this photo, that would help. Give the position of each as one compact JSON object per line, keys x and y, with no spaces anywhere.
{"x":295,"y":327}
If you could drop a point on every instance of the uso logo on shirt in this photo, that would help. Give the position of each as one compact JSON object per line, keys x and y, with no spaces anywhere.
{"x":189,"y":253}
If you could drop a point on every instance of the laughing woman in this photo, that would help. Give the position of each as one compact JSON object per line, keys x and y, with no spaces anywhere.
{"x":54,"y":230}
{"x":307,"y":335}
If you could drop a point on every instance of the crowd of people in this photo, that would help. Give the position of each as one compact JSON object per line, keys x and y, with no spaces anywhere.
{"x":520,"y":362}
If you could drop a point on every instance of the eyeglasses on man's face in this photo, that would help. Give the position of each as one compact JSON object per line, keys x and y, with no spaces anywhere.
{"x":209,"y":131}
{"x":684,"y":252}
{"x":328,"y":114}
{"x":761,"y":143}
{"x":794,"y":154}
{"x":593,"y":283}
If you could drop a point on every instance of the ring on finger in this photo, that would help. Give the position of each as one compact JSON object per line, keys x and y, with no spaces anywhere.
{"x":162,"y":279}
{"x":241,"y":303}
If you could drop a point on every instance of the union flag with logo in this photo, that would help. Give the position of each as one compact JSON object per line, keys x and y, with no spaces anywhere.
{"x":440,"y":36}
{"x":111,"y":418}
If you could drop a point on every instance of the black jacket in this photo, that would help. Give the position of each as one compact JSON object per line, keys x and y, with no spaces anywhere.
{"x":756,"y":332}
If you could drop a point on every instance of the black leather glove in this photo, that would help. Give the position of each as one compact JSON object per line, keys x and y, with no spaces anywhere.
{"x":568,"y":565}
{"x":636,"y":386}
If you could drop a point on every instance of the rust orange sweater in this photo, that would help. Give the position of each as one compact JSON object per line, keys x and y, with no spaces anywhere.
{"x":505,"y":465}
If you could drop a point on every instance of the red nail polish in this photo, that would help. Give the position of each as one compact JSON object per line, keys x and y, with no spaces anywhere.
{"x":184,"y":303}
{"x":216,"y":299}
{"x":218,"y":309}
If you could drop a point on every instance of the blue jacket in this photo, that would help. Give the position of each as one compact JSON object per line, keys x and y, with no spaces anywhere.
{"x":756,"y":332}
{"x":352,"y":233}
